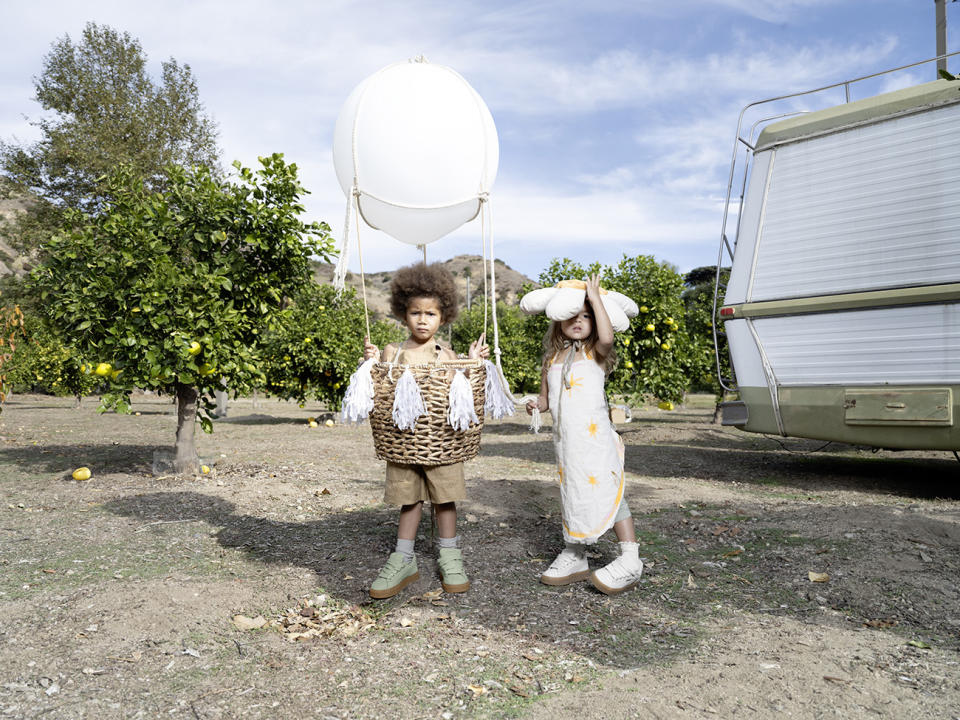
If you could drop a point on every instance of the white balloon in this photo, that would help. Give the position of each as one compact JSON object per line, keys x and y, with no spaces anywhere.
{"x":420,"y":145}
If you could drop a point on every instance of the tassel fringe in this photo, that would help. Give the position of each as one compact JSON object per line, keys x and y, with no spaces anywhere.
{"x":358,"y":400}
{"x":499,"y":400}
{"x":408,"y":403}
{"x":461,"y":413}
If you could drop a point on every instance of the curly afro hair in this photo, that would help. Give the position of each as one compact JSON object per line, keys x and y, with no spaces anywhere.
{"x":422,"y":280}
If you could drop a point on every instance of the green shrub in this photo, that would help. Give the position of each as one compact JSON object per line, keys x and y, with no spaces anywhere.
{"x":315,"y":344}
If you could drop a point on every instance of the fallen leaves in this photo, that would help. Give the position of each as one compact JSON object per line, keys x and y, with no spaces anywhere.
{"x":319,"y":616}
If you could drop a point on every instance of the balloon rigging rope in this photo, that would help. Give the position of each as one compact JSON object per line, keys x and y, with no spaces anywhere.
{"x":363,"y":282}
{"x":483,"y":247}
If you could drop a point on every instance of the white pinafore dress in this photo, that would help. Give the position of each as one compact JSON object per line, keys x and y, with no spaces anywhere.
{"x":589,"y":451}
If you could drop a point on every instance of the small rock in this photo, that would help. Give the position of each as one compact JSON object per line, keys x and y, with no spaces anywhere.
{"x":242,"y":622}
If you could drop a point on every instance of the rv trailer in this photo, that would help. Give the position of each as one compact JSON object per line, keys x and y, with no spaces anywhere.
{"x":842,"y":308}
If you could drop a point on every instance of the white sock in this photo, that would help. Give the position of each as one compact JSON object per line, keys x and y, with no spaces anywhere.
{"x":630,"y":551}
{"x":453,"y":542}
{"x":405,"y":548}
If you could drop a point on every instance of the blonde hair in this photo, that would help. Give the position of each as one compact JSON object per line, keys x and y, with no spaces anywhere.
{"x":554,"y":339}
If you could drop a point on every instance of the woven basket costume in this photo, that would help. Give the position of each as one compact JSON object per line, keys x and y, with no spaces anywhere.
{"x":433,"y":441}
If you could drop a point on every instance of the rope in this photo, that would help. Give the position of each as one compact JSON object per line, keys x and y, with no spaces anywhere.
{"x":340,"y":274}
{"x":483,"y":249}
{"x":493,"y":299}
{"x":363,"y":281}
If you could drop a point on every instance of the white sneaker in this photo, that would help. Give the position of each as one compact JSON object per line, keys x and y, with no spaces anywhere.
{"x":569,"y":566}
{"x":618,"y":576}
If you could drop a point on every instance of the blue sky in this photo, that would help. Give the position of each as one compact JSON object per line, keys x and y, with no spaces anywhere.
{"x":616,"y":123}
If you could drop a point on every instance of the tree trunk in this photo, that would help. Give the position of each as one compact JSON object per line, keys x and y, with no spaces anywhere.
{"x":716,"y":413}
{"x":185,"y":459}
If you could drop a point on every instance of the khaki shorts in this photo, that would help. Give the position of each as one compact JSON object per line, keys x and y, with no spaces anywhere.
{"x":409,"y":484}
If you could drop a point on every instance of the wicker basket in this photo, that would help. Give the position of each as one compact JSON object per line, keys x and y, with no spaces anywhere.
{"x":433,"y":441}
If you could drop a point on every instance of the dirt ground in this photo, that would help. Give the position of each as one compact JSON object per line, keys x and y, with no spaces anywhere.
{"x":119,"y":596}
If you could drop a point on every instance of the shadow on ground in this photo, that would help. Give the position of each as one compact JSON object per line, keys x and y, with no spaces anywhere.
{"x":742,"y":558}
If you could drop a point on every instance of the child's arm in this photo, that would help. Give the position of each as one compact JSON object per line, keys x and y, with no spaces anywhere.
{"x":600,"y":318}
{"x":542,"y":403}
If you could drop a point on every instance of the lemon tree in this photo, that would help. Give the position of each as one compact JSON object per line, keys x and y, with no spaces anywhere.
{"x":315,"y":344}
{"x":140,"y":284}
{"x":42,"y":362}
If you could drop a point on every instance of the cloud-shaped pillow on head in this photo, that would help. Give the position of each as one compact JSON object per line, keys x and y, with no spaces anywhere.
{"x":564,"y":300}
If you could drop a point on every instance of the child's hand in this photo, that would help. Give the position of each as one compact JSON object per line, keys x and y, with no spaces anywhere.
{"x":479,"y":348}
{"x":370,"y":350}
{"x":539,"y":404}
{"x":593,"y":286}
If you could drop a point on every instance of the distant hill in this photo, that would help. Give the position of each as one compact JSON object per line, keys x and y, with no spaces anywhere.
{"x":509,"y":281}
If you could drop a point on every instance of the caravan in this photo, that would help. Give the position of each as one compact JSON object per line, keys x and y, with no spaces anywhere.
{"x":842,"y":309}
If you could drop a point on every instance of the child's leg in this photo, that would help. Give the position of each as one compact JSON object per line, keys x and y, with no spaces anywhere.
{"x":446,"y":514}
{"x":410,"y":521}
{"x":624,"y":530}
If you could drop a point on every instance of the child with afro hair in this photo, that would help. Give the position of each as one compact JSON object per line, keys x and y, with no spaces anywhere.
{"x":424,"y":298}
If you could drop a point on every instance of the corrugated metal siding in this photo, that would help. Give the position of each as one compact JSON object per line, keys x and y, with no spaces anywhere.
{"x":864,"y":209}
{"x":904,"y":345}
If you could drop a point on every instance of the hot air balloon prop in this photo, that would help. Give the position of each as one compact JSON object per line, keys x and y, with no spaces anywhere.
{"x":415,"y":151}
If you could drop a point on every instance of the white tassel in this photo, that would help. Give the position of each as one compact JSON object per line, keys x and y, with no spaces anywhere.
{"x":358,"y":400}
{"x":407,"y":402}
{"x":461,"y":413}
{"x":499,"y":401}
{"x":535,"y":421}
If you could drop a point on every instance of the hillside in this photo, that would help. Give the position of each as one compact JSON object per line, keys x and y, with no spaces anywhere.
{"x":462,"y":267}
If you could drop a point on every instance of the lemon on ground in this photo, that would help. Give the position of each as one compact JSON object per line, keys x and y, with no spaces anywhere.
{"x":81,"y":474}
{"x":204,"y":469}
{"x":312,"y":423}
{"x":329,"y":423}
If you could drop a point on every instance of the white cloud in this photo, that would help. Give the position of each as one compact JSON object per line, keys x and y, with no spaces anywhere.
{"x":772,"y":10}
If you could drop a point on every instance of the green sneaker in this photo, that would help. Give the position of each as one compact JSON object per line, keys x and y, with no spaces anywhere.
{"x":394,"y":577}
{"x":453,"y":578}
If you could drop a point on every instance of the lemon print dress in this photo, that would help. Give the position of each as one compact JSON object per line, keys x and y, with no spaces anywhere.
{"x":589,"y":451}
